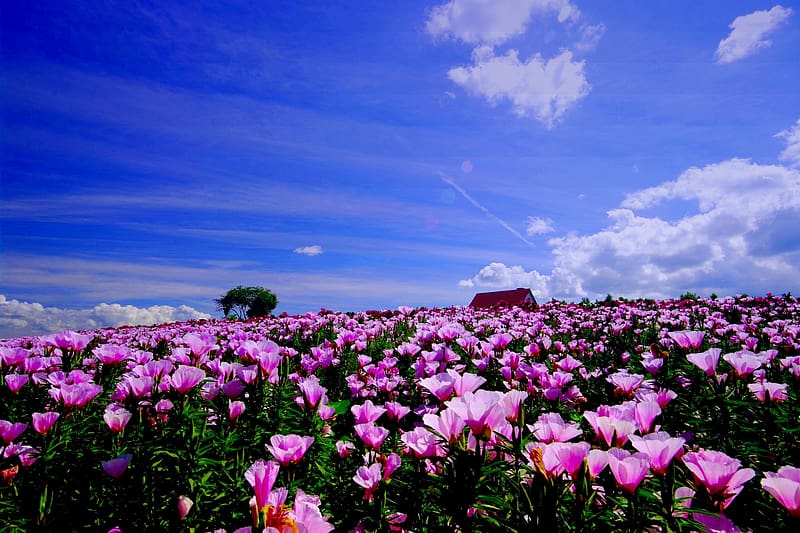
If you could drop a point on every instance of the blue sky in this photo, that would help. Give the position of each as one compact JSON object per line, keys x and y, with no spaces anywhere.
{"x":365,"y":155}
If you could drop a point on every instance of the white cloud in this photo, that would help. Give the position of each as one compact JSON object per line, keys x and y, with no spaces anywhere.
{"x":791,"y":154}
{"x":31,"y":318}
{"x":742,"y":237}
{"x":541,"y":88}
{"x":748,"y":32}
{"x":590,"y":37}
{"x":500,"y":276}
{"x":539,"y":226}
{"x":315,"y":249}
{"x":491,"y":21}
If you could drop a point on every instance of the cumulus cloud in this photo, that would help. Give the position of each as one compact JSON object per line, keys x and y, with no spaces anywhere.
{"x":315,"y":249}
{"x":748,"y":32}
{"x":500,"y":276}
{"x":791,"y":154}
{"x":539,"y":226}
{"x":741,"y":237}
{"x":491,"y":21}
{"x":541,"y":88}
{"x":31,"y":318}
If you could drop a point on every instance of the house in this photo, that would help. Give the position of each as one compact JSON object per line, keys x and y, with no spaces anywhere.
{"x":520,"y":297}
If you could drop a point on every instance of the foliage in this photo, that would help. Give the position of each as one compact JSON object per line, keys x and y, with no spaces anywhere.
{"x":411,"y":420}
{"x":247,"y":302}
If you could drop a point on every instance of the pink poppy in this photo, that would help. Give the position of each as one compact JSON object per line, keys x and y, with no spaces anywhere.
{"x":288,"y":449}
{"x":785,"y":487}
{"x":262,"y":475}
{"x":117,"y":467}
{"x":628,"y":469}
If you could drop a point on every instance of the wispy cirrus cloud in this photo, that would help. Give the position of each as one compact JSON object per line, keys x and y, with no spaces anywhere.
{"x":310,"y":251}
{"x":539,"y":226}
{"x":791,"y":153}
{"x":748,"y":33}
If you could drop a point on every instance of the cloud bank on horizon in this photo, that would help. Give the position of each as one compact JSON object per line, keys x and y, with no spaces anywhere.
{"x":435,"y":150}
{"x":31,"y":318}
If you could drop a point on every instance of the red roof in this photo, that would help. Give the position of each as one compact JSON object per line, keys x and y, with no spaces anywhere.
{"x":520,"y":297}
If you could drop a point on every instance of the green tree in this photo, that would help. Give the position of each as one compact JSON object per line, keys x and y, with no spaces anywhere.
{"x":247,"y":302}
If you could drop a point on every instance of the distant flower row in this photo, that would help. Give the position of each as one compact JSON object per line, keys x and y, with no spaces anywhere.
{"x":633,"y":415}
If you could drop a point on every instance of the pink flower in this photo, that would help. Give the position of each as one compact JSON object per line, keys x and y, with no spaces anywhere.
{"x":420,"y":442}
{"x":706,"y":361}
{"x":371,"y":435}
{"x":550,"y":427}
{"x":233,"y":388}
{"x":369,"y":477}
{"x":785,"y":487}
{"x":571,"y":455}
{"x":186,"y":377}
{"x":9,"y":432}
{"x":447,"y":424}
{"x":312,"y":391}
{"x":769,"y":392}
{"x":262,"y":475}
{"x":15,"y":382}
{"x":367,"y":412}
{"x":629,"y":470}
{"x":42,"y":422}
{"x":288,"y":449}
{"x":117,"y":467}
{"x":688,"y":340}
{"x":499,"y":341}
{"x":79,"y":394}
{"x":596,"y":461}
{"x":512,"y":401}
{"x":440,"y":385}
{"x":718,"y":473}
{"x":660,"y":447}
{"x":625,"y":383}
{"x":645,"y":414}
{"x":465,"y":382}
{"x":184,"y":506}
{"x":568,"y":364}
{"x":111,"y":354}
{"x":396,"y":411}
{"x":116,"y":418}
{"x":611,"y":430}
{"x":544,"y":458}
{"x":390,"y":464}
{"x":235,"y":409}
{"x":200,"y":344}
{"x":68,"y":340}
{"x":307,"y":515}
{"x":716,"y":523}
{"x":13,"y":356}
{"x":344,"y":448}
{"x":481,"y":411}
{"x":140,"y":386}
{"x":743,"y":362}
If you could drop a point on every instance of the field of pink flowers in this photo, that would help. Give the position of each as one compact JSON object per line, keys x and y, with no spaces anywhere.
{"x":621,"y":416}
